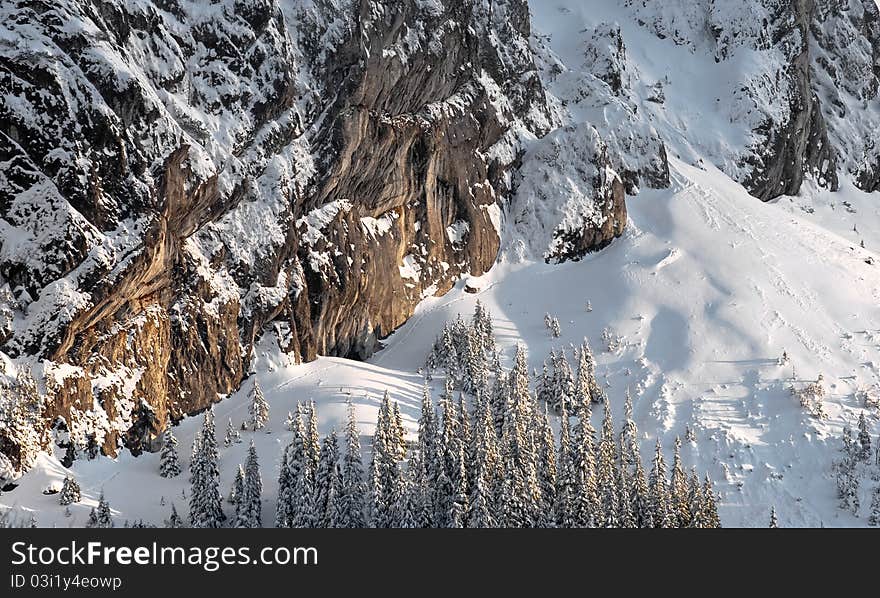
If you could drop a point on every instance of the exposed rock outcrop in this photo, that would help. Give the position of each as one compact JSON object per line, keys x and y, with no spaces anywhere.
{"x":180,"y":179}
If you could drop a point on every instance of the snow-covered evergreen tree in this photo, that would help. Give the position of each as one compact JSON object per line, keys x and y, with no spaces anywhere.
{"x":205,"y":502}
{"x":606,"y":471}
{"x":232,"y":434}
{"x":103,"y":514}
{"x":679,"y":488}
{"x":92,"y":521}
{"x":70,"y":492}
{"x":174,"y":520}
{"x":547,"y":473}
{"x":237,"y":490}
{"x":774,"y":523}
{"x":874,"y":517}
{"x":326,"y":481}
{"x":586,"y":492}
{"x":312,"y":442}
{"x":258,"y":409}
{"x":169,"y":462}
{"x":352,"y":499}
{"x":710,"y":507}
{"x":249,"y":502}
{"x":482,"y":495}
{"x":384,"y":469}
{"x":662,"y":511}
{"x":864,"y":439}
{"x":586,"y":385}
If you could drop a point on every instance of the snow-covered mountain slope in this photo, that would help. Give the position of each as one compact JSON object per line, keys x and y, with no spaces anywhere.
{"x":693,"y":109}
{"x":707,"y":288}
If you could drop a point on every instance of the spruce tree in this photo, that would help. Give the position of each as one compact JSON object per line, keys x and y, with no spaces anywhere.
{"x":864,"y":439}
{"x":92,"y":521}
{"x":249,"y":507}
{"x":710,"y":509}
{"x":874,"y":517}
{"x":104,"y":516}
{"x":586,"y":492}
{"x":547,"y":473}
{"x":206,"y":510}
{"x":237,"y":491}
{"x":326,"y":480}
{"x":169,"y":463}
{"x":458,"y":510}
{"x":565,"y":471}
{"x":313,"y":447}
{"x":481,"y":500}
{"x":430,"y":458}
{"x":384,"y":469}
{"x":174,"y":520}
{"x":606,"y":471}
{"x":773,"y":522}
{"x":679,"y":488}
{"x":399,"y":430}
{"x":282,"y":515}
{"x":258,"y":409}
{"x":696,"y":502}
{"x":352,"y":498}
{"x":70,"y":492}
{"x":232,"y":435}
{"x":661,"y":510}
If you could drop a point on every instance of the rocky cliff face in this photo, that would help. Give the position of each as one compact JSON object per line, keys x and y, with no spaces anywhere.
{"x":182,"y":178}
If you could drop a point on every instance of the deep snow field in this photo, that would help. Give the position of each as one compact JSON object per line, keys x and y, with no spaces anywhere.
{"x":707,"y":288}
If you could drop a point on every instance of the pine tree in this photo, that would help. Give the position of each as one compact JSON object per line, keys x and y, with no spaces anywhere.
{"x":430,"y":460}
{"x":696,"y":501}
{"x":586,"y":385}
{"x":874,"y":518}
{"x":205,"y":509}
{"x":659,"y":500}
{"x":625,"y":516}
{"x":679,"y":488}
{"x":174,"y":521}
{"x":399,"y":430}
{"x":606,"y":471}
{"x":352,"y":497}
{"x":547,"y":473}
{"x":565,"y":471}
{"x":327,"y":481}
{"x":237,"y":491}
{"x":710,"y":508}
{"x":640,"y":497}
{"x":773,"y":522}
{"x":232,"y":435}
{"x":864,"y":439}
{"x":70,"y":492}
{"x":258,"y":410}
{"x":169,"y":463}
{"x":104,"y":516}
{"x":249,"y":506}
{"x":481,"y":500}
{"x":458,"y":510}
{"x":447,"y":451}
{"x":586,"y":492}
{"x":92,"y":521}
{"x":313,"y":447}
{"x":384,"y":469}
{"x":300,"y":460}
